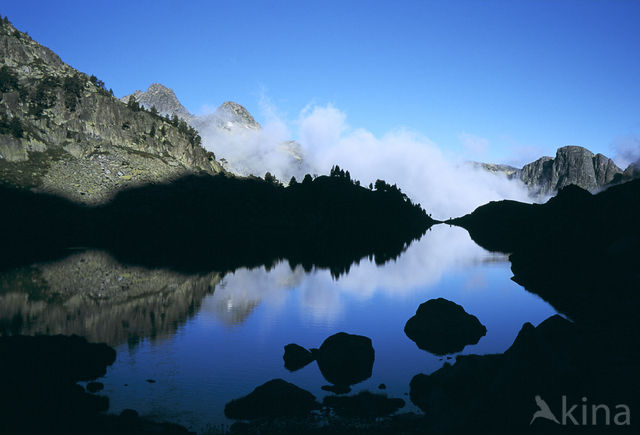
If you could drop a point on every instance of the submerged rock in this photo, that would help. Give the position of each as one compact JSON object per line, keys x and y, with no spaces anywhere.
{"x":442,"y":327}
{"x":275,"y":398}
{"x":345,"y":359}
{"x":363,"y":405}
{"x":295,"y":357}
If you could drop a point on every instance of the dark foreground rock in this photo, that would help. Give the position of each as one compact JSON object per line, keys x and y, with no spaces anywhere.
{"x":345,"y":359}
{"x":38,"y":378}
{"x":580,"y":252}
{"x":442,"y":327}
{"x":295,"y":357}
{"x":363,"y":405}
{"x":501,"y":393}
{"x":275,"y":398}
{"x":408,"y":423}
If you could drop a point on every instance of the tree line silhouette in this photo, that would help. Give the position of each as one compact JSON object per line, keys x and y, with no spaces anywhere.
{"x":203,"y":223}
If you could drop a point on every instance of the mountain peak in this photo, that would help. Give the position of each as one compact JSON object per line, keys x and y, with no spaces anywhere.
{"x":572,"y":165}
{"x":236,"y":114}
{"x":164,"y":99}
{"x":159,"y":87}
{"x":573,"y":149}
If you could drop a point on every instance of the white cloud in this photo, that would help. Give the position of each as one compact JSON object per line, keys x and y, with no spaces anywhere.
{"x":443,"y":186}
{"x":627,"y":150}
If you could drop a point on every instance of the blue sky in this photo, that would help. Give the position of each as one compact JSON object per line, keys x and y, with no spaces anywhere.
{"x":510,"y":79}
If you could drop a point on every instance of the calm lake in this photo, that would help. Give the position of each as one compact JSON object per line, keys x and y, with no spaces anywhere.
{"x":220,"y":338}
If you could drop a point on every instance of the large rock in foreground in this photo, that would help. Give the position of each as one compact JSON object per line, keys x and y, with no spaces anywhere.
{"x":442,"y":327}
{"x":345,"y":359}
{"x":38,"y":378}
{"x":57,"y":359}
{"x":276,"y":398}
{"x":500,"y":393}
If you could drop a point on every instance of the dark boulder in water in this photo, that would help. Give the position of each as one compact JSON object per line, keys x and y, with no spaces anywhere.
{"x":295,"y":357}
{"x":345,"y":359}
{"x":498,"y":392}
{"x":275,"y":398}
{"x":363,"y":405}
{"x":442,"y":327}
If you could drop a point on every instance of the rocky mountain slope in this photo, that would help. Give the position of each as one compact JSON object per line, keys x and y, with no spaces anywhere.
{"x":571,"y":165}
{"x":510,"y":171}
{"x":230,"y":131}
{"x":61,"y":131}
{"x":631,"y":173}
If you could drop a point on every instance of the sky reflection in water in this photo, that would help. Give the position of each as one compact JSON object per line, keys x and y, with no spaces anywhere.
{"x":235,"y":342}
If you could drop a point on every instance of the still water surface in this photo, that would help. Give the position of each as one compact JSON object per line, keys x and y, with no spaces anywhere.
{"x":233,"y":341}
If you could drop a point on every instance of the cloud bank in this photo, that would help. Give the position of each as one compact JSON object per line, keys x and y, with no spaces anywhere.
{"x":445,"y":186}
